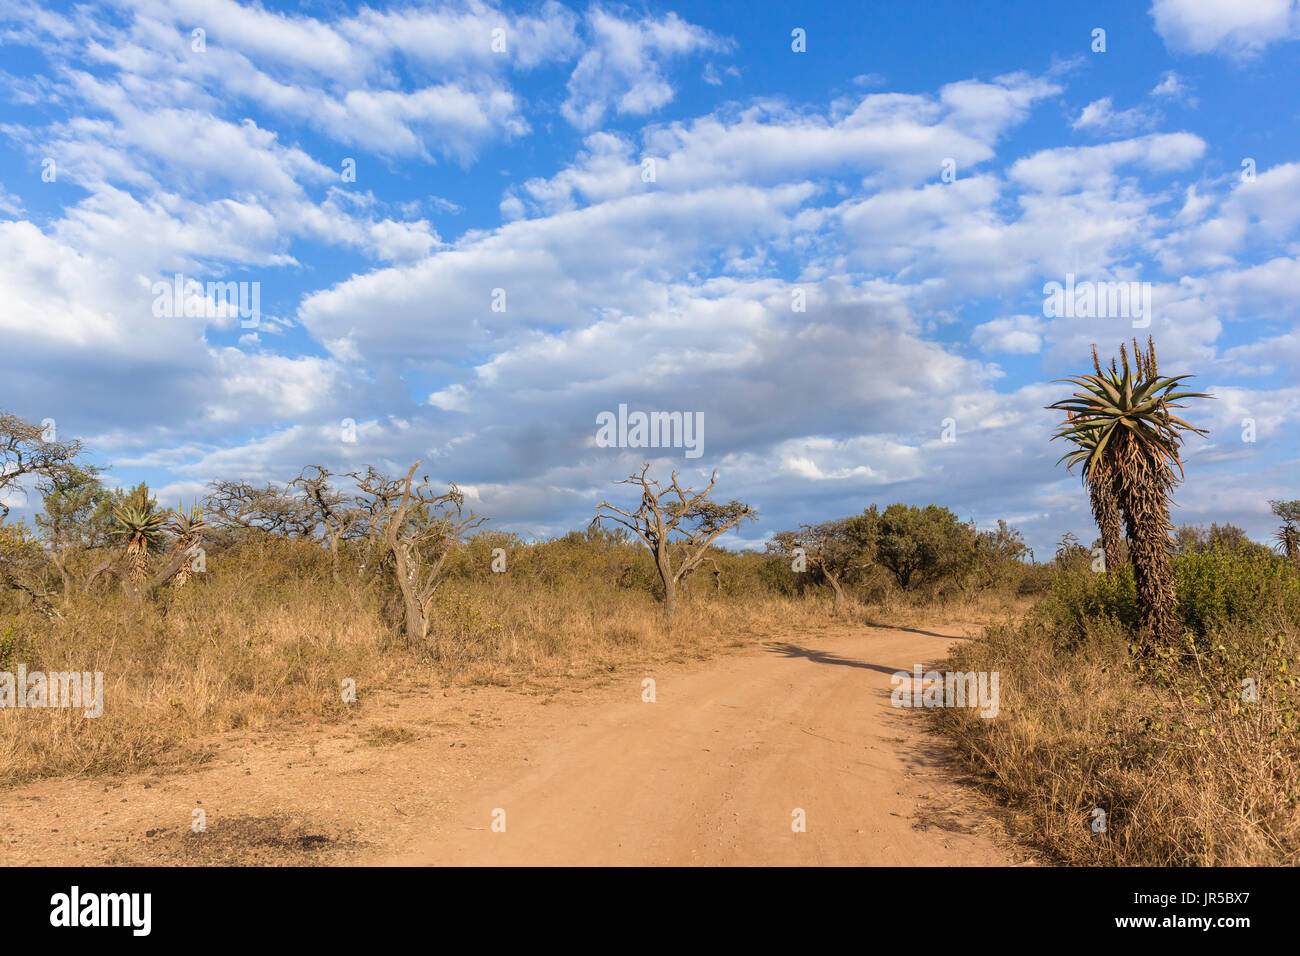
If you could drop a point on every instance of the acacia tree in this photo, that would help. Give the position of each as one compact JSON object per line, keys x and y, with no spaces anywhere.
{"x":333,"y":510}
{"x":677,"y":524}
{"x":77,"y":516}
{"x":379,"y":495}
{"x":920,"y":544}
{"x":77,"y":519}
{"x":243,"y":507}
{"x":24,"y":566}
{"x":421,"y":528}
{"x":1127,"y":420}
{"x":833,"y":548}
{"x":26,"y":455}
{"x":25,"y":452}
{"x":994,"y":552}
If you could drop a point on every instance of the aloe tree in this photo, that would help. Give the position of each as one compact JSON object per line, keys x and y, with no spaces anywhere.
{"x":189,"y":529}
{"x":142,"y":526}
{"x":1122,"y":419}
{"x":1288,"y":536}
{"x":1103,"y":495}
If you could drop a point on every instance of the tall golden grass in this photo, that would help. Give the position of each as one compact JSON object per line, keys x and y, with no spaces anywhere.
{"x":1187,"y":769}
{"x":264,"y":638}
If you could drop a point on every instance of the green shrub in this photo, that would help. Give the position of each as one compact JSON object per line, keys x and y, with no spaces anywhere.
{"x":1218,"y":590}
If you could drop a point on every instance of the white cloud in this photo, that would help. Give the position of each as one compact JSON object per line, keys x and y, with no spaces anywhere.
{"x":1016,"y":334}
{"x":1072,"y":168}
{"x":623,"y":70}
{"x":1176,"y":88}
{"x":1100,"y":116}
{"x":453,"y":398}
{"x":1258,"y":212}
{"x":1225,"y":26}
{"x":884,"y":138}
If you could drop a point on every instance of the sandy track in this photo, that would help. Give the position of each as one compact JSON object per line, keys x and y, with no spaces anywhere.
{"x":713,"y":770}
{"x":707,"y":774}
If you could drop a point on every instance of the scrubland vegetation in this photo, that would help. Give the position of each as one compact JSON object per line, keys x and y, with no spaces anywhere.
{"x":1192,"y":752}
{"x":299,"y":588}
{"x":1148,"y":678}
{"x":1149,"y":711}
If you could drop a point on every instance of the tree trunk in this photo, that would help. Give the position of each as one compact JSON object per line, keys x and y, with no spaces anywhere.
{"x":1145,"y":486}
{"x":1104,"y":498}
{"x":186,"y":570}
{"x":417,"y":624}
{"x":138,"y":564}
{"x":670,"y":589}
{"x":670,"y":599}
{"x":61,"y":566}
{"x":334,"y":557}
{"x":839,"y":594}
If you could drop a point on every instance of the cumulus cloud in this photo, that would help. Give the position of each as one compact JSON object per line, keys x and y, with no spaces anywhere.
{"x":1015,"y":335}
{"x":1174,"y":87}
{"x":1225,"y":26}
{"x":827,"y":282}
{"x":623,"y":70}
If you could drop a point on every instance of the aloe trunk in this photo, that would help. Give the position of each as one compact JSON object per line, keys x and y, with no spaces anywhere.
{"x":1145,"y":488}
{"x":1103,"y":495}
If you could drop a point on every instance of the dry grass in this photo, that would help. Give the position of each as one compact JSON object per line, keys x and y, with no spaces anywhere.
{"x":265,"y":639}
{"x":1186,"y":773}
{"x":213,"y":660}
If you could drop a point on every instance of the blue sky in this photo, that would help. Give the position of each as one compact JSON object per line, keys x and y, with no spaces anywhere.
{"x":776,"y":173}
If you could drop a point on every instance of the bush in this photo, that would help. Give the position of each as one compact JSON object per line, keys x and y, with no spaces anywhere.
{"x":1217,"y":590}
{"x":920,"y":545}
{"x":1238,"y":588}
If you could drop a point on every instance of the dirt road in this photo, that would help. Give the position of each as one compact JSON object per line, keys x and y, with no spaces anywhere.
{"x":711,"y":772}
{"x":722,"y":765}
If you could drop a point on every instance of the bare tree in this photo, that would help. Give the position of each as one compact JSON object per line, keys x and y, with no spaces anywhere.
{"x":832,"y":548}
{"x":421,"y":529}
{"x":24,"y":451}
{"x":238,"y":505}
{"x":379,"y":495}
{"x":677,"y":524}
{"x":333,"y":510}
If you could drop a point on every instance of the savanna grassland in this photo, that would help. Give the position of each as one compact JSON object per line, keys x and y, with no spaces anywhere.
{"x":1149,"y":703}
{"x":265,"y":636}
